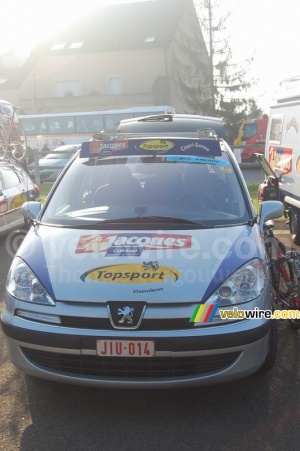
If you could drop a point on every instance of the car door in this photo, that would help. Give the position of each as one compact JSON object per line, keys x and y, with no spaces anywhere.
{"x":3,"y":204}
{"x":12,"y":196}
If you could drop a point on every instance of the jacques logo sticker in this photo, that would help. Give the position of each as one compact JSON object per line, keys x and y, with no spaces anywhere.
{"x":146,"y":272}
{"x":131,"y":244}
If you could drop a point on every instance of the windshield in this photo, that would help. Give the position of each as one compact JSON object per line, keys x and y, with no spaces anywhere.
{"x":155,"y":187}
{"x":249,"y":131}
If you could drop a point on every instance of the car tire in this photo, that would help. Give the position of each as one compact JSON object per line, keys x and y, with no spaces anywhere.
{"x":272,"y":352}
{"x":294,"y":224}
{"x":27,"y":224}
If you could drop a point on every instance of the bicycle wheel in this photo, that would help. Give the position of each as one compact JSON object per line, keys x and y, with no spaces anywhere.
{"x":18,"y":148}
{"x":288,"y":290}
{"x":3,"y":142}
{"x":276,"y":250}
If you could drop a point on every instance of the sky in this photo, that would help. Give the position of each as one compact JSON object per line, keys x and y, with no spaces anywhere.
{"x":269,"y":31}
{"x":266,"y":30}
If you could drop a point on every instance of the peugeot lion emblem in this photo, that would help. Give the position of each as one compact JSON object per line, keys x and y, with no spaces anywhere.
{"x":124,"y":316}
{"x":127,"y":315}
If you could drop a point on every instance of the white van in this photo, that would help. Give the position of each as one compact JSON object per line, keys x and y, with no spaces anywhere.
{"x":282,"y":153}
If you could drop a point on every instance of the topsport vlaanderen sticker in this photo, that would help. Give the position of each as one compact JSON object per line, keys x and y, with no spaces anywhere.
{"x":146,"y":272}
{"x":156,"y":145}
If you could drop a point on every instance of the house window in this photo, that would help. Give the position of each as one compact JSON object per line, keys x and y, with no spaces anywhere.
{"x":115,"y":85}
{"x":58,"y":46}
{"x":76,"y":45}
{"x":67,"y":88}
{"x":150,"y":39}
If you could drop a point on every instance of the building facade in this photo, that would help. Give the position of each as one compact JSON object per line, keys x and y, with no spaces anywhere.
{"x":121,"y":55}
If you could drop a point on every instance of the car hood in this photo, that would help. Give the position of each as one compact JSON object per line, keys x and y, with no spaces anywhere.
{"x":92,"y":266}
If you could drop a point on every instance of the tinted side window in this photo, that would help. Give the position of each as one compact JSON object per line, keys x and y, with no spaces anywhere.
{"x":89,"y":123}
{"x":34,"y":126}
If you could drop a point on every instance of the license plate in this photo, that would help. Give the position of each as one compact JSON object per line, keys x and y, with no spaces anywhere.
{"x":125,"y":348}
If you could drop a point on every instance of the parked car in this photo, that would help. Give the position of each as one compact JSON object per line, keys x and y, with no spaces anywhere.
{"x":52,"y":164}
{"x":16,"y":188}
{"x":140,"y":243}
{"x":72,"y":148}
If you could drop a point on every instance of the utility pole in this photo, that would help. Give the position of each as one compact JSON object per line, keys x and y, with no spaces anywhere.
{"x":211,"y":56}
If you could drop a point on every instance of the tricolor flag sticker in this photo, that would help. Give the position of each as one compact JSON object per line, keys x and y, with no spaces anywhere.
{"x":204,"y":313}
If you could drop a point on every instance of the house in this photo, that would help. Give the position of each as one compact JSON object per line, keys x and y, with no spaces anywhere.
{"x":119,"y":55}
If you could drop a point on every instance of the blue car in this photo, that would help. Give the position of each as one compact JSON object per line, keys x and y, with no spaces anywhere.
{"x":124,"y":277}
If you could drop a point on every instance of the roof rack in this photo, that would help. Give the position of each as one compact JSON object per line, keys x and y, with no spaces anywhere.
{"x":205,"y":133}
{"x":158,"y":117}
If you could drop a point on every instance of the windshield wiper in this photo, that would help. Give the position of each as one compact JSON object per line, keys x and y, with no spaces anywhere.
{"x":139,"y":220}
{"x":151,"y":219}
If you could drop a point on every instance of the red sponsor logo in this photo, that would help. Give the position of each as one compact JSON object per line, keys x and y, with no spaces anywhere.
{"x":3,"y":206}
{"x":281,"y":158}
{"x":111,"y":244}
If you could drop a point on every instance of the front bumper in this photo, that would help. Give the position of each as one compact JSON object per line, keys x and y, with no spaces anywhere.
{"x":198,"y":356}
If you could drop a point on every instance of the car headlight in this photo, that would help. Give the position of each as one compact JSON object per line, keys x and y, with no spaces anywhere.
{"x":243,"y":285}
{"x":23,"y":284}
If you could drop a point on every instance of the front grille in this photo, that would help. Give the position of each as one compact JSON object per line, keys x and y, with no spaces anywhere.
{"x":130,"y":367}
{"x":104,"y":323}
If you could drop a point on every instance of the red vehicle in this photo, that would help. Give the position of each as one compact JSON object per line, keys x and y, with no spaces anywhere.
{"x":251,"y":138}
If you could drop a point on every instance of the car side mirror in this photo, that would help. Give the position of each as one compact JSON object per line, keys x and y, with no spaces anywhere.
{"x":270,"y":209}
{"x":30,"y":210}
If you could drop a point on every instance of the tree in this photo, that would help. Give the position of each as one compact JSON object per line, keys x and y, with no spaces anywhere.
{"x":190,"y":65}
{"x":228,"y":81}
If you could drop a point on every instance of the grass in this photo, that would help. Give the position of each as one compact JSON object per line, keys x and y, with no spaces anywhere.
{"x":253,"y":190}
{"x":44,"y":190}
{"x":252,"y":187}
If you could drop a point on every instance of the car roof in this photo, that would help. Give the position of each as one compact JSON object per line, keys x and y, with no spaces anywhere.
{"x":67,"y":147}
{"x":166,"y":123}
{"x":10,"y":163}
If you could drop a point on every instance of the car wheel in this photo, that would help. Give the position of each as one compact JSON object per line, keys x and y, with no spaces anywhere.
{"x":272,"y":352}
{"x":294,"y":224}
{"x":27,"y":224}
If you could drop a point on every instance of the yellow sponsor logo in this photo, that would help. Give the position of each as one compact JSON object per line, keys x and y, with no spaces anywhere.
{"x":157,"y":145}
{"x":147,"y":272}
{"x":298,"y":166}
{"x":18,"y":201}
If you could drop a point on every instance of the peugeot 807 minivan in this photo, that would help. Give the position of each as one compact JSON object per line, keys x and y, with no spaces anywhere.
{"x":140,"y":245}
